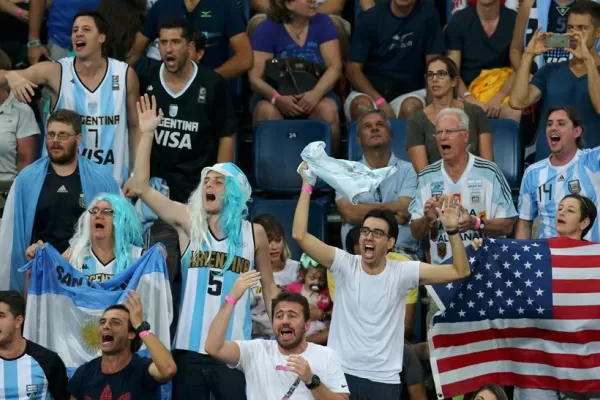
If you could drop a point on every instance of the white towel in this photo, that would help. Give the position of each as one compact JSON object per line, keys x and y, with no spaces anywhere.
{"x":348,"y":178}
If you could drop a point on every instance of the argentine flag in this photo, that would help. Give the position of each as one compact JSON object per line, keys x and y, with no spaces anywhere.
{"x":64,"y":308}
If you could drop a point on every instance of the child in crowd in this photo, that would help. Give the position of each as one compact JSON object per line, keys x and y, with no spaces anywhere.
{"x":312,"y":284}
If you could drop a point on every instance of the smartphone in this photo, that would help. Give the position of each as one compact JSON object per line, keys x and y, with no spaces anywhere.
{"x":558,"y":41}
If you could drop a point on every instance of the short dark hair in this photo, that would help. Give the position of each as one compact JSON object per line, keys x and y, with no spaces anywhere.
{"x":15,"y":302}
{"x":136,"y":343}
{"x":187,"y":30}
{"x":99,"y":20}
{"x":591,"y":8}
{"x":291,"y":297}
{"x":588,"y":210}
{"x":573,"y":115}
{"x":387,"y":216}
{"x":199,"y":40}
{"x":67,"y":117}
{"x":495,"y":389}
{"x":352,"y":238}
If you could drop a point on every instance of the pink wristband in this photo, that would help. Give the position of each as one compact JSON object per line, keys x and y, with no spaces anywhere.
{"x":19,"y":12}
{"x":308,"y":189}
{"x":143,"y":334}
{"x":478,"y":224}
{"x":230,"y":300}
{"x":275,"y":97}
{"x":379,"y":101}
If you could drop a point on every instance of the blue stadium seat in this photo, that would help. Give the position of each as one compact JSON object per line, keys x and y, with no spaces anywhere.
{"x":542,"y":150}
{"x":276,"y":153}
{"x":284,"y":211}
{"x":398,"y":141}
{"x":508,"y":153}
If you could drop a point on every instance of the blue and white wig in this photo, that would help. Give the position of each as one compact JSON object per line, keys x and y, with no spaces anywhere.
{"x":127,"y":232}
{"x":234,"y":210}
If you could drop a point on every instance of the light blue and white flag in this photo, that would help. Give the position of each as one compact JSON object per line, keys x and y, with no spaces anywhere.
{"x":350,"y":178}
{"x":64,"y":308}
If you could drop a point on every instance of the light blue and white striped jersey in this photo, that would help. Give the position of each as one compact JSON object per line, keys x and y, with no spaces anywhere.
{"x":544,"y":186}
{"x":96,"y":271}
{"x":482,"y":189}
{"x":204,"y":287}
{"x":103,"y":115}
{"x":28,"y":376}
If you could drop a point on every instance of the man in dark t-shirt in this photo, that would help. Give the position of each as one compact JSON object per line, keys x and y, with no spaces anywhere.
{"x":120,"y":373}
{"x":478,"y":38}
{"x":390,"y":47}
{"x":29,"y":370}
{"x":198,"y":127}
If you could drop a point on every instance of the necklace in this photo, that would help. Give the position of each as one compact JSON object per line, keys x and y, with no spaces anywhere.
{"x":296,"y":34}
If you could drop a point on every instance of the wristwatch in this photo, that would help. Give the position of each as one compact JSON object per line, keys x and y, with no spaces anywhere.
{"x":144,"y":326}
{"x":481,"y":225}
{"x":316,"y":381}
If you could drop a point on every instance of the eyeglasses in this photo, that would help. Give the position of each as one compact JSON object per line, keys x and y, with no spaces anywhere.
{"x":377,"y":233}
{"x":62,"y":136}
{"x":449,"y":132}
{"x":107,"y":212}
{"x":439,"y":74}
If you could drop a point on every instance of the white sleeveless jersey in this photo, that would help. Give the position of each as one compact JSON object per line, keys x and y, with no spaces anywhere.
{"x":103,"y":115}
{"x":96,"y":271}
{"x":204,"y":287}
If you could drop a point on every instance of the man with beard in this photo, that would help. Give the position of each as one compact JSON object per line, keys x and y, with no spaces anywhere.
{"x":276,"y":369}
{"x":218,"y":244}
{"x":199,"y":128}
{"x":119,"y":373}
{"x":29,"y":371}
{"x":48,"y":197}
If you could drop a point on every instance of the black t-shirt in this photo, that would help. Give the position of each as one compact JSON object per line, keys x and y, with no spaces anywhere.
{"x":479,"y":51}
{"x":59,"y":207}
{"x":40,"y":372}
{"x":187,"y":139}
{"x":132,"y":382}
{"x":393,"y":49}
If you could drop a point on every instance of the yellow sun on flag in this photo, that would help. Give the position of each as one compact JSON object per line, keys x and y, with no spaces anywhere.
{"x":90,"y":336}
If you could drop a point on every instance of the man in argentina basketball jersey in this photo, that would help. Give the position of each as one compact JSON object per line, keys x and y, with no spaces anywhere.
{"x":28,"y":370}
{"x":218,"y":244}
{"x":107,"y":239}
{"x":103,"y":91}
{"x":570,"y":169}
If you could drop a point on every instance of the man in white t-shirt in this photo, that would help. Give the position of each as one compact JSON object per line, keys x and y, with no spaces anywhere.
{"x":367,"y":327}
{"x":276,"y":369}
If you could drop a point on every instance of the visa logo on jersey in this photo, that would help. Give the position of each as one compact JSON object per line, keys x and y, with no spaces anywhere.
{"x":99,"y":156}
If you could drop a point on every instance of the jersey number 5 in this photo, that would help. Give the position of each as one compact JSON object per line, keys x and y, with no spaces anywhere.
{"x":215,"y":283}
{"x":545,"y":188}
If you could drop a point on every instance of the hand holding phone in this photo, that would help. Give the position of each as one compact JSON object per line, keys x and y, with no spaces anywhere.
{"x":558,"y":41}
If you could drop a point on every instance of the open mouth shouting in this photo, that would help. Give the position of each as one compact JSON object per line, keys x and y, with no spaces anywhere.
{"x":446,"y":148}
{"x":171,"y":61}
{"x":286,"y":334}
{"x":369,"y":250}
{"x":107,"y":338}
{"x":554,"y":138}
{"x":79,"y":45}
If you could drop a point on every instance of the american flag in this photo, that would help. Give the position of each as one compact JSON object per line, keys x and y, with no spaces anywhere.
{"x":528,"y":316}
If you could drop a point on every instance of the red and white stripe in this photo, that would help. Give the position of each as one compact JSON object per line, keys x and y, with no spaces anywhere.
{"x":560,"y":354}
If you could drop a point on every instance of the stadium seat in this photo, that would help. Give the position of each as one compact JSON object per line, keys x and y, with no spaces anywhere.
{"x":276,"y":153}
{"x":398,"y":141}
{"x":508,"y":154}
{"x":284,"y":211}
{"x":542,"y":150}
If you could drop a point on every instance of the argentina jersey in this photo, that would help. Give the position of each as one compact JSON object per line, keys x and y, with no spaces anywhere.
{"x":23,"y":379}
{"x":204,"y":287}
{"x":482,"y":190}
{"x":96,"y":271}
{"x":544,"y":186}
{"x":103,"y":114}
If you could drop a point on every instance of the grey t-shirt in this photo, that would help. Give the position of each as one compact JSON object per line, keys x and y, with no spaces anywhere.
{"x":420,"y":131}
{"x":17,"y":121}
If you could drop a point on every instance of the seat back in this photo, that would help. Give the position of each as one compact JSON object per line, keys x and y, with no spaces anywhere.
{"x":276,"y":153}
{"x":508,"y":153}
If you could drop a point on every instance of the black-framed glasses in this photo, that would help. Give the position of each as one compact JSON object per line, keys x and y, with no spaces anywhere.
{"x":449,"y":132}
{"x":441,"y":74}
{"x":107,"y":212}
{"x":377,"y":233}
{"x":62,"y":136}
